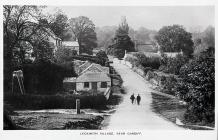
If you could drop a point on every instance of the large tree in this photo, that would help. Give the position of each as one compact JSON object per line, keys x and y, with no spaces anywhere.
{"x":204,"y":40}
{"x":22,"y":31}
{"x":174,"y":39}
{"x":58,"y":23}
{"x":84,"y":30}
{"x":122,"y":40}
{"x":105,"y":35}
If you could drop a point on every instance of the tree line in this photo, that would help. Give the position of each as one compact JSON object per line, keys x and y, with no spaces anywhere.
{"x":26,"y":29}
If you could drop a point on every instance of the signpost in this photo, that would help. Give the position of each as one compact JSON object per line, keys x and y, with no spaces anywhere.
{"x":77,"y":106}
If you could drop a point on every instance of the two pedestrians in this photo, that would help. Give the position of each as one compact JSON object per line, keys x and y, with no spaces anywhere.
{"x":138,"y":99}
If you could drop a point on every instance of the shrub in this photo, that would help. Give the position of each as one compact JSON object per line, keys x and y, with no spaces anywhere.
{"x":197,"y":88}
{"x":146,"y":69}
{"x":60,"y":101}
{"x":152,"y":62}
{"x":172,"y":65}
{"x":62,"y":54}
{"x":45,"y":77}
{"x":101,"y":55}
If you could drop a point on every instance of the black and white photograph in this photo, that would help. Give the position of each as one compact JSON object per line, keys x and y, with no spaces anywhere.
{"x":68,"y":67}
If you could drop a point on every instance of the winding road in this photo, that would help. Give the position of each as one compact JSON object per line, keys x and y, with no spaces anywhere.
{"x":128,"y":116}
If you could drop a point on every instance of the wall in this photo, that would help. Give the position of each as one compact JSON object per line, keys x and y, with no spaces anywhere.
{"x":103,"y":89}
{"x":80,"y":86}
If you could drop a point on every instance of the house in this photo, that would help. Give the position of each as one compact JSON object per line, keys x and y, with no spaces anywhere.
{"x":54,"y":41}
{"x":72,"y":45}
{"x":91,"y":77}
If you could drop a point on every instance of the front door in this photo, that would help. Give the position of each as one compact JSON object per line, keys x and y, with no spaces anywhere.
{"x":94,"y":87}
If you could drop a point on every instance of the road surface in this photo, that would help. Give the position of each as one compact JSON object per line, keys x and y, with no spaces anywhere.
{"x":128,"y":116}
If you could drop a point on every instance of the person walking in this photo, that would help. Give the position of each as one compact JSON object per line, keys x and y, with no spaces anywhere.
{"x":138,"y":98}
{"x":132,"y":97}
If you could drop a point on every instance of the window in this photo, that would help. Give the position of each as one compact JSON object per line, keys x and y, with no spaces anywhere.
{"x":86,"y":85}
{"x":103,"y":84}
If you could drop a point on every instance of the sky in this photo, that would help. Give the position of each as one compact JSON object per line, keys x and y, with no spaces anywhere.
{"x":151,"y":17}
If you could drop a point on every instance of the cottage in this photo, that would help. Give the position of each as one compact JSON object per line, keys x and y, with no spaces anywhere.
{"x":91,"y":76}
{"x":72,"y":45}
{"x":54,"y":42}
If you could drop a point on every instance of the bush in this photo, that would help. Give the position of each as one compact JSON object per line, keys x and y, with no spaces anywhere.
{"x":45,"y":77}
{"x":197,"y":88}
{"x":140,"y":59}
{"x":63,"y":54}
{"x":152,"y":62}
{"x":54,"y":101}
{"x":101,"y":55}
{"x":172,"y":65}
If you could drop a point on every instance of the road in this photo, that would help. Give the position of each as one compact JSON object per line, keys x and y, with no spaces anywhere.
{"x":128,"y":116}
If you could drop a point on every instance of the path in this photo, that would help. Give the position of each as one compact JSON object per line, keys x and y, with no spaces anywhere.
{"x":128,"y":116}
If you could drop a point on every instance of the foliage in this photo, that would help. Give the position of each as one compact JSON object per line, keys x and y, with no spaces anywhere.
{"x":152,"y":62}
{"x":122,"y":41}
{"x":174,"y":39}
{"x":105,"y":36}
{"x":204,"y":40}
{"x":172,"y":65}
{"x":197,"y":87}
{"x":84,"y":30}
{"x":62,"y":54}
{"x":58,"y":101}
{"x":42,"y":51}
{"x":101,"y":55}
{"x":58,"y":23}
{"x":90,"y":58}
{"x":22,"y":31}
{"x":142,"y":35}
{"x":44,"y":76}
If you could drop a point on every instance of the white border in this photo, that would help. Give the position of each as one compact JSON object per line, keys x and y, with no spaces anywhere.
{"x":75,"y":134}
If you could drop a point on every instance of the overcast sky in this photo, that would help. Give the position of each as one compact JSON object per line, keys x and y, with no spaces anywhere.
{"x":151,"y":17}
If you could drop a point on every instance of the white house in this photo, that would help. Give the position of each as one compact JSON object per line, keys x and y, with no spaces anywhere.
{"x":72,"y":45}
{"x":92,"y":77}
{"x":54,"y":41}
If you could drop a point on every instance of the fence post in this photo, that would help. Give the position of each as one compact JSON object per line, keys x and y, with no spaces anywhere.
{"x":78,"y":106}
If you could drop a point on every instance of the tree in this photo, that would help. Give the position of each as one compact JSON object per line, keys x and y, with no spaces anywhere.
{"x":173,"y":65}
{"x":84,"y":30}
{"x":21,"y":31}
{"x":197,"y":87}
{"x":142,"y":35}
{"x":122,"y":41}
{"x":63,"y":55}
{"x":58,"y":23}
{"x":101,"y":55}
{"x":209,"y":37}
{"x":204,"y":40}
{"x":174,"y":39}
{"x":105,"y":35}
